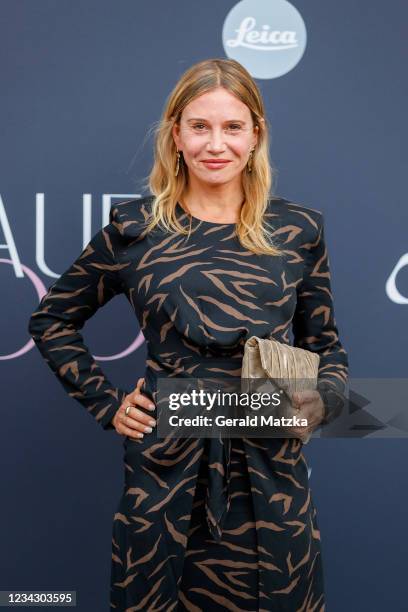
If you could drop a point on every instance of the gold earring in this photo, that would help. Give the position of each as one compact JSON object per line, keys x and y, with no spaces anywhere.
{"x":177,"y":163}
{"x":249,"y":164}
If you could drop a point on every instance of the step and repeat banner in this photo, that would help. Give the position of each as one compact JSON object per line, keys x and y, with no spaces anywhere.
{"x":83,"y":84}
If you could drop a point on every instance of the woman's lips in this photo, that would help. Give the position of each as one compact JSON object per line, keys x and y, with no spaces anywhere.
{"x":215,"y":165}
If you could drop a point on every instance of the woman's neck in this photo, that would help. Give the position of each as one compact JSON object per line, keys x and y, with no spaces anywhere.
{"x":218,"y":206}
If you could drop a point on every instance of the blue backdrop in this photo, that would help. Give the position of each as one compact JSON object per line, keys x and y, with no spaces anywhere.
{"x":82,"y":82}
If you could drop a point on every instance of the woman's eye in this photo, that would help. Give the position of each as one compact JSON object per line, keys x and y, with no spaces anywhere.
{"x":235,"y":127}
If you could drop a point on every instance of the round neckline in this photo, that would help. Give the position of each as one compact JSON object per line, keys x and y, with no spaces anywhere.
{"x":202,"y":220}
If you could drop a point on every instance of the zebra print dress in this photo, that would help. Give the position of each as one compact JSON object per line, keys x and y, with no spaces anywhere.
{"x":203,"y":523}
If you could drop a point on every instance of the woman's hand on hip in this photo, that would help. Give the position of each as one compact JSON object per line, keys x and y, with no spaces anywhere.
{"x":136,"y":423}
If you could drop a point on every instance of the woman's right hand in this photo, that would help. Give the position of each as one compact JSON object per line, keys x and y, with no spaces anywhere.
{"x":135,"y":423}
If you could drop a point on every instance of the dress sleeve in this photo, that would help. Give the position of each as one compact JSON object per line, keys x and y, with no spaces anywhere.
{"x":89,"y":283}
{"x":314,"y":323}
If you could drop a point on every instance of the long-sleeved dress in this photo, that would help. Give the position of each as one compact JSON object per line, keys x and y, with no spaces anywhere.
{"x":203,"y":523}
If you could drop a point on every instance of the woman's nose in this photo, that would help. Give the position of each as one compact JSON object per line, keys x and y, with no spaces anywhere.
{"x":216,"y":141}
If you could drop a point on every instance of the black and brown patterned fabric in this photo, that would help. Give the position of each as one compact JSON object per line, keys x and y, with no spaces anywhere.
{"x":203,"y":523}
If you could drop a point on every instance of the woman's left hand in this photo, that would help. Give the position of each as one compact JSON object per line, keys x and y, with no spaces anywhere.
{"x":309,"y":405}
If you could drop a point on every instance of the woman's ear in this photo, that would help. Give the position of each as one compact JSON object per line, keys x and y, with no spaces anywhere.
{"x":175,"y":133}
{"x":256,"y":134}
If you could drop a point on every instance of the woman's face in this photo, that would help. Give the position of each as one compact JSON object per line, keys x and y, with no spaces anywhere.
{"x":216,"y":126}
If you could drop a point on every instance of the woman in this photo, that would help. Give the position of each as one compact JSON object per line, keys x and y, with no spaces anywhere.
{"x":207,"y":261}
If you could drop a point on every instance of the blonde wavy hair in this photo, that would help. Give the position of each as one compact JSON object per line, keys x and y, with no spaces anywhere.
{"x":252,"y":228}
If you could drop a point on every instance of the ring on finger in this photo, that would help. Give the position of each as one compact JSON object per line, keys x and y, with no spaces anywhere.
{"x":128,"y":410}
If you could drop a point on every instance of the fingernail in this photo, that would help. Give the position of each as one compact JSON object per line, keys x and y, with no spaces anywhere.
{"x":148,"y":429}
{"x":139,"y":435}
{"x":152,"y":423}
{"x":151,"y":406}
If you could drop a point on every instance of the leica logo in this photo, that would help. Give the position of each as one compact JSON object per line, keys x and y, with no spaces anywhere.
{"x":274,"y":28}
{"x":264,"y":39}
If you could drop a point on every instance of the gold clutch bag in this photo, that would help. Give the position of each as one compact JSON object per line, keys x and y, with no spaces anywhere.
{"x":291,"y":368}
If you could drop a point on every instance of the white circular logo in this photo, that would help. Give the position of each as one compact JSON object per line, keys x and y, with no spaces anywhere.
{"x":268,"y":37}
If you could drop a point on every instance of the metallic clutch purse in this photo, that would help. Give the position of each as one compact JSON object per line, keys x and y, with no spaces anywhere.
{"x":292,"y":368}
